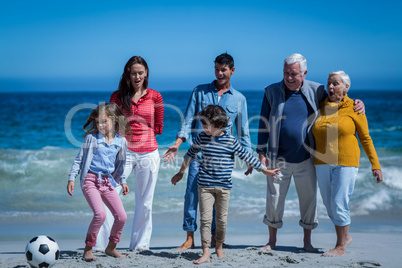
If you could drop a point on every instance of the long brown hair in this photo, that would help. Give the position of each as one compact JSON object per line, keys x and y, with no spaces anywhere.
{"x":126,"y":90}
{"x":121,"y":125}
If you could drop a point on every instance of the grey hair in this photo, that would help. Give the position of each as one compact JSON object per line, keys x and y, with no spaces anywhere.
{"x":296,"y":57}
{"x":345,"y":78}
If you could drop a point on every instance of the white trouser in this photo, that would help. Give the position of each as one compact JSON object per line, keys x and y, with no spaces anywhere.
{"x":146,"y":167}
{"x":103,"y":236}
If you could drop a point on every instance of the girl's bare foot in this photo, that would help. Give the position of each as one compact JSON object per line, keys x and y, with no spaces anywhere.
{"x":203,"y":259}
{"x":334,"y":252}
{"x":88,"y":255}
{"x":114,"y":253}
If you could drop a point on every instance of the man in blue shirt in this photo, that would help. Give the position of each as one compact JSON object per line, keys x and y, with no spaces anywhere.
{"x":285,"y":140}
{"x":219,"y":92}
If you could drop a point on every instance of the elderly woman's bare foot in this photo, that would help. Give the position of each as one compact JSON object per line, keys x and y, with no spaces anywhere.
{"x":349,"y":240}
{"x":203,"y":259}
{"x":114,"y":253}
{"x":334,"y":252}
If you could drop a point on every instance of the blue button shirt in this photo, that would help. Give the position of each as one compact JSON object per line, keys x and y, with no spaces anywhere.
{"x":232,"y":101}
{"x":103,"y":162}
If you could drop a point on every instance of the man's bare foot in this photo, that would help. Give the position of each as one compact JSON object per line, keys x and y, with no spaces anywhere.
{"x":114,"y":253}
{"x":189,"y":244}
{"x":88,"y":256}
{"x":334,"y":252}
{"x":268,"y":247}
{"x":309,"y":248}
{"x":203,"y":259}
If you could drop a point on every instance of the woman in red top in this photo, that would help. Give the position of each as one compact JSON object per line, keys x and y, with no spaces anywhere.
{"x":144,"y":109}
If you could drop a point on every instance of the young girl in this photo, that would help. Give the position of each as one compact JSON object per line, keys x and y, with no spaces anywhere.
{"x":218,"y":149}
{"x":101,"y":162}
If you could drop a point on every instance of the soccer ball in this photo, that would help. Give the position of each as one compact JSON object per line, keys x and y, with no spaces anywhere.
{"x":42,"y":251}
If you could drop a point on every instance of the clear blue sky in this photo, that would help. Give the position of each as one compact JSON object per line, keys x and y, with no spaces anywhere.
{"x":83,"y":45}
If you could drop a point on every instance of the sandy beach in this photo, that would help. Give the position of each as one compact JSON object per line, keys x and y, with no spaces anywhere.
{"x":363,"y":252}
{"x":372,"y":247}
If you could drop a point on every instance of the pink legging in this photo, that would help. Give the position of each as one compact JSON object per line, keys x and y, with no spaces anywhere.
{"x":96,"y":194}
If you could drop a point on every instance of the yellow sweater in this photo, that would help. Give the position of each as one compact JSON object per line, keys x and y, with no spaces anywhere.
{"x":335,"y":135}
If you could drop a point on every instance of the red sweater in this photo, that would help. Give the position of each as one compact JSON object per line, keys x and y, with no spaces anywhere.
{"x":146,"y":121}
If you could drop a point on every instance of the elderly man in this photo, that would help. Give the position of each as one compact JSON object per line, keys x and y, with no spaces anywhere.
{"x":288,"y":111}
{"x":219,"y":92}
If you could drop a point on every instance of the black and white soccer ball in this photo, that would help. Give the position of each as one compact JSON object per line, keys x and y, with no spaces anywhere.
{"x":42,"y":251}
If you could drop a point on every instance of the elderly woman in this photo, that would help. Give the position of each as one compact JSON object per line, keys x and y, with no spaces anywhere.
{"x":337,"y":155}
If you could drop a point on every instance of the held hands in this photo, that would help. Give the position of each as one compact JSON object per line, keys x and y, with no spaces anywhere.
{"x":176,"y":178}
{"x":378,"y":175}
{"x":249,"y":170}
{"x":171,"y":153}
{"x":126,"y":190}
{"x":270,"y":172}
{"x":70,"y":188}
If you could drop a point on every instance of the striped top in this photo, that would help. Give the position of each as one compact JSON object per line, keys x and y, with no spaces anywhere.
{"x":218,"y":159}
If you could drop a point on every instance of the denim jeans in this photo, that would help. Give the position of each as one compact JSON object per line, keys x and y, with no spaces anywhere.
{"x":336,"y":185}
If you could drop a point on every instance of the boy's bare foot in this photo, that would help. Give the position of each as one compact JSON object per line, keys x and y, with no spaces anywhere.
{"x":309,"y":248}
{"x":267,"y":247}
{"x":88,"y":256}
{"x":213,"y":243}
{"x":218,"y":250}
{"x":203,"y":259}
{"x":220,"y":254}
{"x":334,"y":252}
{"x":114,"y":253}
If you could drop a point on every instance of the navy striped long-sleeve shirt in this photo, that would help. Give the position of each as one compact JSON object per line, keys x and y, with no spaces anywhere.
{"x":217,"y":161}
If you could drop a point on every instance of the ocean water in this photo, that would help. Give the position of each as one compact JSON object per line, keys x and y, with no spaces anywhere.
{"x":41,"y":133}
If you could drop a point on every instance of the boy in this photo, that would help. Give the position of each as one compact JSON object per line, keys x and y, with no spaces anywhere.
{"x":214,"y":179}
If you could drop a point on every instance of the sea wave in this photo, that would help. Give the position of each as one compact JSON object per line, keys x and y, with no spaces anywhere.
{"x":33,"y":182}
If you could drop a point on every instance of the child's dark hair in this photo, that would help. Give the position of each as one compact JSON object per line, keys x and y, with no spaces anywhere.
{"x":121,"y":125}
{"x":213,"y":114}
